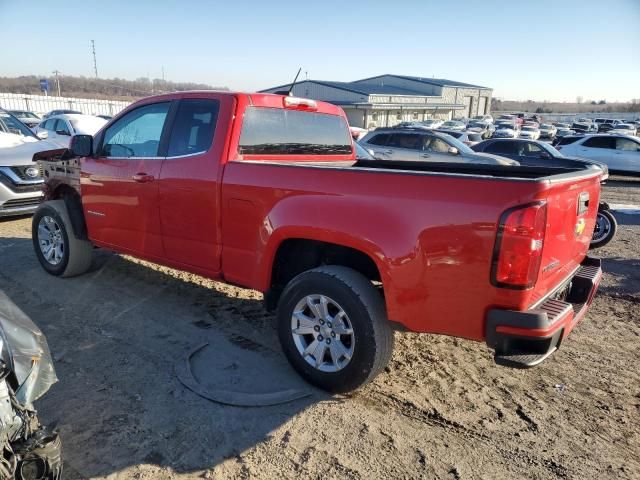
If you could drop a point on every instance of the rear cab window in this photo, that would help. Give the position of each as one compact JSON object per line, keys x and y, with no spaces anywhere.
{"x":600,"y":142}
{"x":288,"y":132}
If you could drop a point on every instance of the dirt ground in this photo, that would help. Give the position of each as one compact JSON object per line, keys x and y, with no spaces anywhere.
{"x":443,"y":409}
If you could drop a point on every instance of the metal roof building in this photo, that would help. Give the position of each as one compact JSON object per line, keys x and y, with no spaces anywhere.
{"x":386,"y":100}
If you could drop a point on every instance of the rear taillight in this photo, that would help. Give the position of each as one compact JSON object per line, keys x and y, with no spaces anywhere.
{"x":518,"y":250}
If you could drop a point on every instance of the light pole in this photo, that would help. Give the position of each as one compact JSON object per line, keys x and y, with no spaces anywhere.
{"x":56,"y":72}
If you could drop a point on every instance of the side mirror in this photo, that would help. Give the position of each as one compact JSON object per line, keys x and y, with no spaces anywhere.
{"x":42,"y":134}
{"x":63,"y":132}
{"x":452,"y":151}
{"x":81,"y":145}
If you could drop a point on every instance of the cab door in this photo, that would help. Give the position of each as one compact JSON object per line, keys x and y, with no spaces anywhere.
{"x":404,"y":146}
{"x":601,"y":148}
{"x":627,"y":154}
{"x":120,"y":184}
{"x":189,"y":195}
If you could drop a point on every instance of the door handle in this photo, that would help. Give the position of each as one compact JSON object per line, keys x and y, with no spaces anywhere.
{"x":143,"y":178}
{"x":388,"y":152}
{"x":425,"y":155}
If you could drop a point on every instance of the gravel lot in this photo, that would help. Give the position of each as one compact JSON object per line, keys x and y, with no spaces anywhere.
{"x":442,"y":410}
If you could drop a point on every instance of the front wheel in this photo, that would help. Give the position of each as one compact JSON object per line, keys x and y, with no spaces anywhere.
{"x":58,"y":250}
{"x":605,"y":229}
{"x":333,"y":328}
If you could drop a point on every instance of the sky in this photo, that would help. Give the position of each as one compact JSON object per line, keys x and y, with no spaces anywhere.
{"x":552,"y":50}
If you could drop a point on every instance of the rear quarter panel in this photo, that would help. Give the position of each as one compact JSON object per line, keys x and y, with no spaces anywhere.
{"x":431,"y":235}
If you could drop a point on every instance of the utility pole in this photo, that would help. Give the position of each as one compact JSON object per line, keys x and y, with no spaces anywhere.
{"x":56,"y":73}
{"x":163,"y":74}
{"x":95,"y":64}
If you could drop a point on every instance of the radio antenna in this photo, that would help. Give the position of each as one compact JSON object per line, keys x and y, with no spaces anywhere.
{"x":294,"y":82}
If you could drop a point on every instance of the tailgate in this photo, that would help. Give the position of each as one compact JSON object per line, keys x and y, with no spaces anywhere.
{"x":571,"y":214}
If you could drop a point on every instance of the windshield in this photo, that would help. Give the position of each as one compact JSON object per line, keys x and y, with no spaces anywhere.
{"x":476,"y":124}
{"x":362,"y":153}
{"x":10,"y":124}
{"x":502,"y":126}
{"x":431,"y":121}
{"x":551,"y":150}
{"x":545,"y":126}
{"x":452,"y":124}
{"x":529,"y":129}
{"x":24,"y":114}
{"x":622,"y":126}
{"x":87,"y":125}
{"x":454,"y":142}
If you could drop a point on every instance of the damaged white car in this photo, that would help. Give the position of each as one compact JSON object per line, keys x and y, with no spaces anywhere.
{"x":28,"y":450}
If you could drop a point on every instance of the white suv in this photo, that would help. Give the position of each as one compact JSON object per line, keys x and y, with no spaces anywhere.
{"x":621,"y":153}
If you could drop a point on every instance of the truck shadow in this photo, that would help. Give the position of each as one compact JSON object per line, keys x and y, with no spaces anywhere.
{"x":626,"y":271}
{"x":626,"y":218}
{"x":116,"y":334}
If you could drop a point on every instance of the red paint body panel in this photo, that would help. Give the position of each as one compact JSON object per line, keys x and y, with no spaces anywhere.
{"x":431,"y":235}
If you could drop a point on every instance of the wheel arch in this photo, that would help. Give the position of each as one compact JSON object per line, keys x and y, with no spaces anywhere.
{"x":73,"y":203}
{"x":314,"y":249}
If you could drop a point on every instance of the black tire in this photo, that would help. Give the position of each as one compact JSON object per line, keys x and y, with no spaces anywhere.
{"x":76,"y":254}
{"x":366,"y":312}
{"x":605,"y":229}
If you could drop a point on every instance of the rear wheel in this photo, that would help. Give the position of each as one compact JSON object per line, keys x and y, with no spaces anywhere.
{"x":333,"y":328}
{"x":605,"y":229}
{"x":58,"y":250}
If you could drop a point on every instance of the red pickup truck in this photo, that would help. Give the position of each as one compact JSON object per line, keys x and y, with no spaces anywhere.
{"x":264,"y":191}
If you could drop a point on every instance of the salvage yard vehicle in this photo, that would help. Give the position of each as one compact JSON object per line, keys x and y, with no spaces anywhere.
{"x":547,"y":131}
{"x":60,"y":128}
{"x":414,"y":144}
{"x":624,"y":129}
{"x":20,"y":180}
{"x":536,"y":153}
{"x":454,"y":125}
{"x":30,"y":119}
{"x":264,"y":191}
{"x":60,"y":112}
{"x":28,"y":450}
{"x":530,"y":132}
{"x":482,"y":127}
{"x":621,"y":153}
{"x":507,"y":130}
{"x":432,"y":123}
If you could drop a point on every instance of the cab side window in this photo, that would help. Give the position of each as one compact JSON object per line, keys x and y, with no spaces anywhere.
{"x":137,"y":134}
{"x":409,"y":141}
{"x":436,"y":145}
{"x":627,"y":145}
{"x":506,"y":147}
{"x":381,"y":139}
{"x":61,"y":127}
{"x":534,"y":150}
{"x":600,"y":142}
{"x":194,"y":126}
